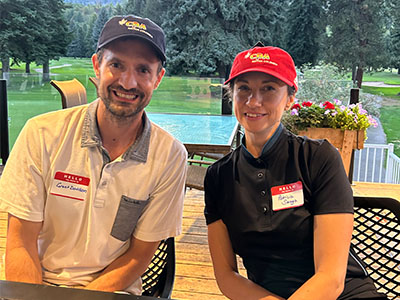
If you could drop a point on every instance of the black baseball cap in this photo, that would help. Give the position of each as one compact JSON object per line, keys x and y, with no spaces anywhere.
{"x":124,"y":26}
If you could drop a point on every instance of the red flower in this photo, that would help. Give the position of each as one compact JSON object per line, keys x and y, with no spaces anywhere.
{"x":296,"y":106}
{"x":307,"y":103}
{"x":328,"y":105}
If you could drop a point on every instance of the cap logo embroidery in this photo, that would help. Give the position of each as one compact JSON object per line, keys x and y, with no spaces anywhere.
{"x":134,"y":25}
{"x":260,"y":57}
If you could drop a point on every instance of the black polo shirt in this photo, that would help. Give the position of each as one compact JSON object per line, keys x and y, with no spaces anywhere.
{"x":275,"y":243}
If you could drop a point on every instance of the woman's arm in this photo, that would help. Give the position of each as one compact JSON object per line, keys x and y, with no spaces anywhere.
{"x":230,"y":282}
{"x":332,"y":237}
{"x":22,"y":258}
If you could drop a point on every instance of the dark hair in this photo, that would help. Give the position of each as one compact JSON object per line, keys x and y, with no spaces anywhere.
{"x":100,"y":54}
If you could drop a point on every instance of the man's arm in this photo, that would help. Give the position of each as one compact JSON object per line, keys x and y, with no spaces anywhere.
{"x":22,"y":258}
{"x":123,"y":271}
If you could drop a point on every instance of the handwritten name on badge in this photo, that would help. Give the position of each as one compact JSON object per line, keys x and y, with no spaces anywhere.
{"x":287,"y":196}
{"x":70,"y":186}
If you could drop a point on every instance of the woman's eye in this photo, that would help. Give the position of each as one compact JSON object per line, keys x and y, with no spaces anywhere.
{"x":243,"y":88}
{"x":269,"y":88}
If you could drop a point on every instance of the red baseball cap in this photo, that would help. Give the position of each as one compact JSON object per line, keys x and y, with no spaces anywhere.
{"x":271,"y":60}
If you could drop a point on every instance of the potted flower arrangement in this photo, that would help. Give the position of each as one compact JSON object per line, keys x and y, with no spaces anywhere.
{"x":343,"y":126}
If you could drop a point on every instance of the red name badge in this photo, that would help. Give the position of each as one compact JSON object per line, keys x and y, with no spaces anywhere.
{"x":70,"y":186}
{"x":287,"y":196}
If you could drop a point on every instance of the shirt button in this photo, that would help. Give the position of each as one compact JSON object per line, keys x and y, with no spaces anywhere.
{"x":265,"y":210}
{"x":262,"y":193}
{"x":260,"y":175}
{"x":104,"y":183}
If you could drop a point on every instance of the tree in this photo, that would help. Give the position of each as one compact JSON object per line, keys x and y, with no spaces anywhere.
{"x":204,"y":36}
{"x":394,"y":33}
{"x":354,"y":37}
{"x":56,"y":38}
{"x":304,"y":30}
{"x":13,"y":24}
{"x":102,"y":18}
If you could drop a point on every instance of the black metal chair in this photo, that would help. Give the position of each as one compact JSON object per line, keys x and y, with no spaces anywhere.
{"x":72,"y":92}
{"x":376,"y":240}
{"x":158,"y":280}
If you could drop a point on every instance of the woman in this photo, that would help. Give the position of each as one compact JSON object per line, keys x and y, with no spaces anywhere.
{"x":281,"y":202}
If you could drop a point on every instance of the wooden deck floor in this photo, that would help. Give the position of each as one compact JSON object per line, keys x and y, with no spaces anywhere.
{"x":194,"y":274}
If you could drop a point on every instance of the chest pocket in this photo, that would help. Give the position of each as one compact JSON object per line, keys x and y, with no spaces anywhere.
{"x":128,"y":214}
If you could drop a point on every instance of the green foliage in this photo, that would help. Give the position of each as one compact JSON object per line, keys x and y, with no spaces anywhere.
{"x":304,"y":30}
{"x":205,"y":36}
{"x":327,"y":115}
{"x":355,"y":35}
{"x":33,"y":30}
{"x":324,"y":82}
{"x":102,"y":18}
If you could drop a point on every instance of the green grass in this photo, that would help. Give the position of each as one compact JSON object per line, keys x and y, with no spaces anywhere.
{"x":386,"y":77}
{"x":28,"y":96}
{"x":392,"y":92}
{"x":391,"y":124}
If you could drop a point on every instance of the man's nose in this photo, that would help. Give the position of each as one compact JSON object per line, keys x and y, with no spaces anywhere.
{"x":128,"y":80}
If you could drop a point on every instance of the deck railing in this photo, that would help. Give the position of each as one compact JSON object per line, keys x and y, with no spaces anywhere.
{"x":376,"y":163}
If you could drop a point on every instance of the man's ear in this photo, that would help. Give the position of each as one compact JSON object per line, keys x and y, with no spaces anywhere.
{"x":160,"y":75}
{"x":96,"y":65}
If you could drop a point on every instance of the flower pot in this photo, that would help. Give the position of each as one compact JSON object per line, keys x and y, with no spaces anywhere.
{"x":344,"y":140}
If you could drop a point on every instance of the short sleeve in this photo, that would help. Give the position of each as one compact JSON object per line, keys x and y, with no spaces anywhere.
{"x":332,"y":192}
{"x":211,"y":195}
{"x":21,"y":185}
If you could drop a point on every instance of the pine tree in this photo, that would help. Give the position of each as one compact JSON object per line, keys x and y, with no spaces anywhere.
{"x":304,"y":30}
{"x":102,"y":18}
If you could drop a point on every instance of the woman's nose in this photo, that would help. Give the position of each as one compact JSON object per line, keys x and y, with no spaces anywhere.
{"x":254,"y":100}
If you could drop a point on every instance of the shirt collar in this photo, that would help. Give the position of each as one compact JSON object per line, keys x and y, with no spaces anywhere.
{"x":138,"y":151}
{"x":268,"y":145}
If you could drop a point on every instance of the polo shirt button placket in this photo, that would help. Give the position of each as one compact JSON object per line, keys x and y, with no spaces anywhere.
{"x":265,"y":210}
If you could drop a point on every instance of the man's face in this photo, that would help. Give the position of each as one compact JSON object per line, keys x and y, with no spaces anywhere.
{"x":128,"y":74}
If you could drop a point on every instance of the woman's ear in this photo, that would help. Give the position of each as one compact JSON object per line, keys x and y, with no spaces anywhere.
{"x":290,"y":101}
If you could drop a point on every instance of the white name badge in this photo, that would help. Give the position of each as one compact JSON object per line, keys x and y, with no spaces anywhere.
{"x":70,"y":186}
{"x":287,"y":196}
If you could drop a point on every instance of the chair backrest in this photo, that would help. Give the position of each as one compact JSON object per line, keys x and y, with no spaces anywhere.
{"x":376,"y":240}
{"x":196,"y":172}
{"x":158,"y":279}
{"x":95,"y":81}
{"x":72,"y":92}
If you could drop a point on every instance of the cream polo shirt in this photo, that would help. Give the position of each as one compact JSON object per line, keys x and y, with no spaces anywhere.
{"x":59,"y":173}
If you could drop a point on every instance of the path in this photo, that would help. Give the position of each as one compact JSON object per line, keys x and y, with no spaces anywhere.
{"x":379,"y":84}
{"x":40,"y":70}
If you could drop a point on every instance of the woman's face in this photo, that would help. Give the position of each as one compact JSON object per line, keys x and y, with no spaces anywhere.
{"x":259,"y":102}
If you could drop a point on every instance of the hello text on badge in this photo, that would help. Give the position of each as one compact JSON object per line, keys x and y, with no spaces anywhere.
{"x":70,"y":186}
{"x":287,"y":196}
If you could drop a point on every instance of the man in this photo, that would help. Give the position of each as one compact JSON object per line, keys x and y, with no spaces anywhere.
{"x":90,"y":191}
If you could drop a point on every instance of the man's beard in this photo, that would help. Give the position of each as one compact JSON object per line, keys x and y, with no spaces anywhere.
{"x":117,"y":111}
